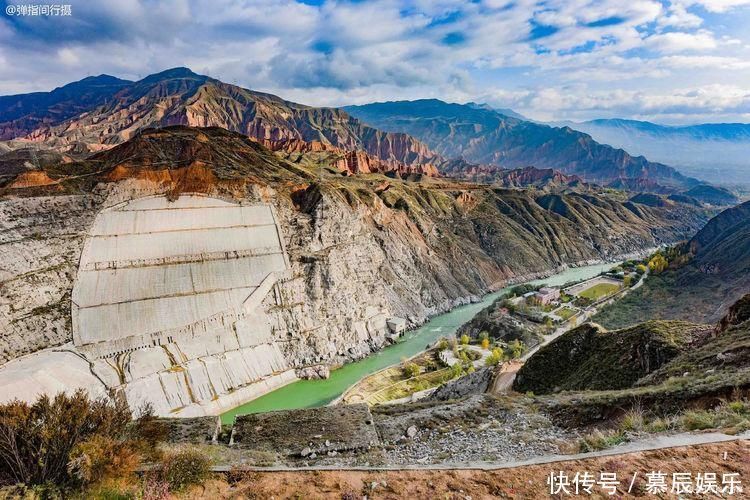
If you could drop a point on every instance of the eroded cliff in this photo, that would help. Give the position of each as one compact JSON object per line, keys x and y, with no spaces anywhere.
{"x":360,"y":248}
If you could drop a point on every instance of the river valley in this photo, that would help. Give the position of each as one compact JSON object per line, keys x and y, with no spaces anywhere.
{"x":313,"y":393}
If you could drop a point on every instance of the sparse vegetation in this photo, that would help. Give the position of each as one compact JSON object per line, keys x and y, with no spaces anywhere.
{"x":183,"y":468}
{"x":411,"y":370}
{"x":73,"y":442}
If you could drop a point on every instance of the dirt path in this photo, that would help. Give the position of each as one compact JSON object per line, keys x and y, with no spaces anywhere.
{"x":528,"y":481}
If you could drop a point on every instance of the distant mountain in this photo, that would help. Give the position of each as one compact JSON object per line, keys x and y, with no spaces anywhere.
{"x":503,"y":111}
{"x":715,"y":152}
{"x":22,"y":113}
{"x":111,"y":111}
{"x":481,"y":135}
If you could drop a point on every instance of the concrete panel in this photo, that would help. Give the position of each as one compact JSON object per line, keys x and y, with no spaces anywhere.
{"x":111,"y":286}
{"x":128,"y":319}
{"x":173,"y":219}
{"x":134,"y":247}
{"x":171,"y":291}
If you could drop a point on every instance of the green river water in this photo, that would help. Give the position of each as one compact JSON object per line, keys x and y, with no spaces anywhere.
{"x":312,"y":393}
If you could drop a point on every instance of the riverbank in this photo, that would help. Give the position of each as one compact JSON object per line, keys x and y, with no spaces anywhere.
{"x":313,"y":393}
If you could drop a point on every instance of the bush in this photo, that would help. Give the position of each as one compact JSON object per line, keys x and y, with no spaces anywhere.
{"x":494,"y":358}
{"x":184,"y":468}
{"x":600,"y":440}
{"x":465,"y":339}
{"x":516,"y":349}
{"x":411,"y":370}
{"x":71,"y":441}
{"x":697,"y":420}
{"x":37,"y":441}
{"x":632,"y":421}
{"x":102,"y":457}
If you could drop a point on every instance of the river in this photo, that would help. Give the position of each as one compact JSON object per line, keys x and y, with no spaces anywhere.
{"x":312,"y":393}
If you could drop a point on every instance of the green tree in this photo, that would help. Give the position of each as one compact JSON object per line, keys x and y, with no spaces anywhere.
{"x":411,"y":370}
{"x":495,"y":357}
{"x":516,"y":349}
{"x":465,"y":339}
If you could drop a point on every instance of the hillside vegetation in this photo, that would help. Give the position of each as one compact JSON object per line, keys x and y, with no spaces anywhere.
{"x":710,"y":272}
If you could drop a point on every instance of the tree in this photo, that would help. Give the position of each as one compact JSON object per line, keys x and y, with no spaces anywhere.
{"x":411,"y":370}
{"x":657,"y":263}
{"x":485,"y":343}
{"x":516,"y":348}
{"x":640,"y":269}
{"x":495,"y":357}
{"x":627,"y":280}
{"x":465,"y":339}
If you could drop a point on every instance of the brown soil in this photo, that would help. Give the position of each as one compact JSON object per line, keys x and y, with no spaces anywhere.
{"x":520,"y":482}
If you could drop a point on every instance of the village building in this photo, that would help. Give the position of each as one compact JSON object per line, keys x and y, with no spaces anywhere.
{"x":547,"y":295}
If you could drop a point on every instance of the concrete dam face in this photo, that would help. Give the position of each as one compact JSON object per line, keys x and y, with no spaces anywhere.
{"x":166,"y":303}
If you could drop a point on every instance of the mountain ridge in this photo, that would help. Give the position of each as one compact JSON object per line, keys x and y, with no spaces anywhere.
{"x":481,"y":135}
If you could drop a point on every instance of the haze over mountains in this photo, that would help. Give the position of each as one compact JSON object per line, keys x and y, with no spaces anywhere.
{"x":482,"y":135}
{"x":714,"y":152}
{"x":425,"y":137}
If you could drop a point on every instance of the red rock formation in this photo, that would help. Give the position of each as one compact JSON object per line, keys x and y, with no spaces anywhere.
{"x":353,"y":161}
{"x":32,"y":178}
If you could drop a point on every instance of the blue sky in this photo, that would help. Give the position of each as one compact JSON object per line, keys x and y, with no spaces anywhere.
{"x":670,"y":61}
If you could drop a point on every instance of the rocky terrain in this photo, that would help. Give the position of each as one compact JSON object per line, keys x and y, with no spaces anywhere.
{"x":707,"y":274}
{"x":660,"y":367}
{"x":529,"y":481}
{"x":111,"y":111}
{"x":360,"y":246}
{"x":449,"y":241}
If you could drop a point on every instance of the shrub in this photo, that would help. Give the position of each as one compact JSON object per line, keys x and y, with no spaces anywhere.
{"x":465,"y":339}
{"x":516,"y":348}
{"x":600,"y":440}
{"x":443,"y":344}
{"x":37,"y":441}
{"x":184,"y":468}
{"x":697,"y":420}
{"x":102,"y":457}
{"x":411,"y":370}
{"x":632,"y":420}
{"x":494,"y":358}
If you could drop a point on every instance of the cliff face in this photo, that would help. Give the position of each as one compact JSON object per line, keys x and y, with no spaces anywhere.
{"x":359,"y":247}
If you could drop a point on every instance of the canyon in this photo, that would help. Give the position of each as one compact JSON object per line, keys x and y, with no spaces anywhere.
{"x":357,"y":249}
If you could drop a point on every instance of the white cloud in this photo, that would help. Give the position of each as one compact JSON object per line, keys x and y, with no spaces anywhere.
{"x":345,"y":51}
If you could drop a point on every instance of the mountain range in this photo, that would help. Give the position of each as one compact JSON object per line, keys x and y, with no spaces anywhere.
{"x":714,"y":152}
{"x":479,"y":134}
{"x":427,"y":137}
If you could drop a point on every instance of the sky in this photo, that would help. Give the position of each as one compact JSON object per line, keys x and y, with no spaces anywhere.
{"x":670,"y":61}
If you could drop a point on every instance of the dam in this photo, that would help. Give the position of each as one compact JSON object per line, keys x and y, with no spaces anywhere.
{"x":168,"y":308}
